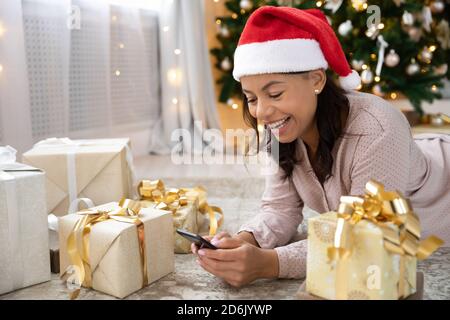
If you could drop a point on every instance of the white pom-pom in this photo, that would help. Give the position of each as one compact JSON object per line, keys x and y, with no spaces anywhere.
{"x":351,"y":81}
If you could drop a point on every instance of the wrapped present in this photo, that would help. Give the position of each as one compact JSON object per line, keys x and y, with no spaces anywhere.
{"x":188,"y":206}
{"x":99,"y":169}
{"x":116,"y":248}
{"x":24,"y":256}
{"x":366,"y":250}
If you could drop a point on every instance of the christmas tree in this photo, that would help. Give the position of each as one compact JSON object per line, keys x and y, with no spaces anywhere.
{"x":400,"y":47}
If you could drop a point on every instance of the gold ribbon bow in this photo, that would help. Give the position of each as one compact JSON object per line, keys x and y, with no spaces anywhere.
{"x":175,"y":198}
{"x":386,"y":210}
{"x":78,"y":240}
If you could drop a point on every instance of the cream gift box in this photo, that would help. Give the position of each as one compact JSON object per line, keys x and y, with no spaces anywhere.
{"x":24,"y":255}
{"x":115,"y":262}
{"x":368,"y":249}
{"x":99,"y":169}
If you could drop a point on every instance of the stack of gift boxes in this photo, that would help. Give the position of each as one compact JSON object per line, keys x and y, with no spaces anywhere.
{"x":119,"y":246}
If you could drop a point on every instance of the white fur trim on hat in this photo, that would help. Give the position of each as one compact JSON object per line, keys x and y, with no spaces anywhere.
{"x":351,"y":81}
{"x":278,"y":56}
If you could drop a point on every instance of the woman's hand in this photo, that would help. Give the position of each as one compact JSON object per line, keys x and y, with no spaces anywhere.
{"x":236,"y":261}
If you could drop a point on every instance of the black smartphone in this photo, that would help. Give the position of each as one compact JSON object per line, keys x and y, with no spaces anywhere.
{"x":199,"y":241}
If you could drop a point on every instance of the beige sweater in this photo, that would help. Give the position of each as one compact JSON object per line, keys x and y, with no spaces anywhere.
{"x":379,"y":146}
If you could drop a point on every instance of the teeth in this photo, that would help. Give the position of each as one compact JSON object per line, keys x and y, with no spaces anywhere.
{"x":278,"y":124}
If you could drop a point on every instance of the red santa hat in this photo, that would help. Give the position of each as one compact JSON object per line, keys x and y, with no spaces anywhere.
{"x":284,"y":39}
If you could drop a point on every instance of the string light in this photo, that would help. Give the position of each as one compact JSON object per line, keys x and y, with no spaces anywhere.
{"x":377,"y":79}
{"x":393,"y":96}
{"x":2,"y":30}
{"x":218,"y":21}
{"x":174,"y":76}
{"x":432,"y":48}
{"x":216,"y":1}
{"x":234,"y":106}
{"x":177,"y":51}
{"x":121,"y":45}
{"x":380,"y":26}
{"x":434,"y":88}
{"x":242,"y":11}
{"x":319,"y":3}
{"x":234,"y":16}
{"x":364,"y":66}
{"x":373,"y":56}
{"x":117,"y":72}
{"x":174,"y":100}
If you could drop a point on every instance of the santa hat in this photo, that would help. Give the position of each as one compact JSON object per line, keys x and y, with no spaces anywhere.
{"x":284,"y":39}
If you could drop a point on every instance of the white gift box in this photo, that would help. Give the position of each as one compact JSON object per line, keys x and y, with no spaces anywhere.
{"x":24,"y":253}
{"x":98,"y":169}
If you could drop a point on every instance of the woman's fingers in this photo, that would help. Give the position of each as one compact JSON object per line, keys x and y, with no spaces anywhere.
{"x":219,"y":268}
{"x":194,"y":248}
{"x":219,"y":254}
{"x":228,"y":243}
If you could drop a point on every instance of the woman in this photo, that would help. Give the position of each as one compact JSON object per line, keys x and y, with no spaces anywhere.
{"x":332,"y":142}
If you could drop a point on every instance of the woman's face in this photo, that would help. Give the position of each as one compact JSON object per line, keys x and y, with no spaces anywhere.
{"x":286,"y":103}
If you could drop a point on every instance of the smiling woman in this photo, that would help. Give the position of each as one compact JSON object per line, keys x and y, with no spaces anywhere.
{"x":332,"y":142}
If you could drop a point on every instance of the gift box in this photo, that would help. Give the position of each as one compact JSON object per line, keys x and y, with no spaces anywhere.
{"x":188,"y":206}
{"x":368,"y":249}
{"x":302,"y":294}
{"x":24,"y":256}
{"x":99,"y":169}
{"x":116,"y":248}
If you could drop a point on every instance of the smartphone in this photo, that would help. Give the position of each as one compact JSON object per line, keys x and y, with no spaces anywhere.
{"x":199,"y":241}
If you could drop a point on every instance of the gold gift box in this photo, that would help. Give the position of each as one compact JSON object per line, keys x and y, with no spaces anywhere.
{"x":368,"y":249}
{"x":371,"y":272}
{"x":115,"y":261}
{"x":187,"y":205}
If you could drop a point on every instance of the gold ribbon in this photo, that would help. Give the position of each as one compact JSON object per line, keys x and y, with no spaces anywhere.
{"x":175,"y":198}
{"x":400,"y":226}
{"x":78,"y":241}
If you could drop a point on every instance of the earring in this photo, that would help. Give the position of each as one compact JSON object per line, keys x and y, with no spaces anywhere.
{"x":316,"y":91}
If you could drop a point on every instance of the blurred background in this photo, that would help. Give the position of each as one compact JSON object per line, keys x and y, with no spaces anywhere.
{"x":144,"y":68}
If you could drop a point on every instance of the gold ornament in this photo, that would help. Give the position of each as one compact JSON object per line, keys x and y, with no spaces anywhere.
{"x":425,"y":55}
{"x":359,"y":5}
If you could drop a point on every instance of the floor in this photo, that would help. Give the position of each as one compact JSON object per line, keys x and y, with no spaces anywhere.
{"x":237,"y":191}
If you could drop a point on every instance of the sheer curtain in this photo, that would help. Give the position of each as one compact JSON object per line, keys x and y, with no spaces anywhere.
{"x":104,"y":68}
{"x":188,"y":98}
{"x":78,"y":68}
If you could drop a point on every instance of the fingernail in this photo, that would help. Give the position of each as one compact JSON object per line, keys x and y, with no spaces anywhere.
{"x":201,"y":252}
{"x":215,"y":242}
